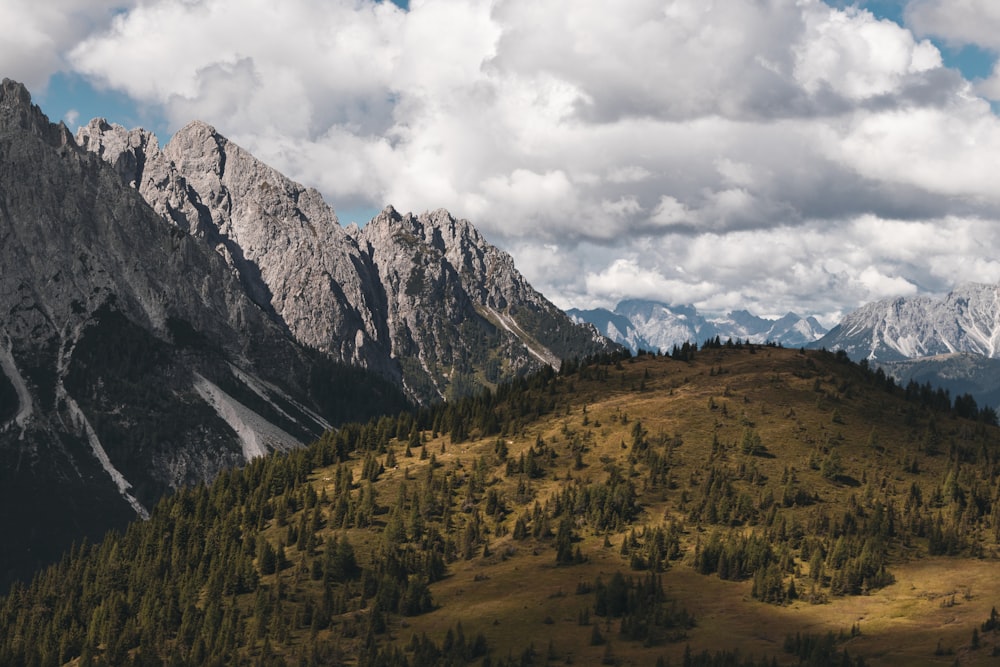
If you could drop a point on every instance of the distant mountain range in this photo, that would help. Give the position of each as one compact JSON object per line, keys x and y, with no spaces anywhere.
{"x":653,"y":325}
{"x":952,"y":342}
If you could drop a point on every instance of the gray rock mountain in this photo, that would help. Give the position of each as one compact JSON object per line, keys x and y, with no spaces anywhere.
{"x":132,"y":360}
{"x":652,"y":325}
{"x":423,"y":300}
{"x":952,"y":342}
{"x":967,"y":320}
{"x":457,"y":310}
{"x":282,"y":241}
{"x":165,"y":314}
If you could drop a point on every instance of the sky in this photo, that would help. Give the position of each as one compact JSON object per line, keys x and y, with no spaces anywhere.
{"x":773,"y":155}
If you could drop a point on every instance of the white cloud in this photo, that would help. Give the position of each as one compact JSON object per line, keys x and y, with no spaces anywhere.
{"x":628,"y":174}
{"x":779,"y":155}
{"x":298,"y":66}
{"x":953,"y":152}
{"x":959,"y":22}
{"x":880,"y":285}
{"x":625,"y":278}
{"x":37,"y":34}
{"x":857,"y":56}
{"x":671,"y":212}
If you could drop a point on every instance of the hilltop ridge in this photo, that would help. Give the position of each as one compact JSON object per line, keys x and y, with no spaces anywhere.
{"x":744,"y":501}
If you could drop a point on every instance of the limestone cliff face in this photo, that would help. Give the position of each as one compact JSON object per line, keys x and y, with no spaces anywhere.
{"x":282,"y":241}
{"x":965,"y":321}
{"x":424,"y":300}
{"x":136,"y":157}
{"x":459,"y":314}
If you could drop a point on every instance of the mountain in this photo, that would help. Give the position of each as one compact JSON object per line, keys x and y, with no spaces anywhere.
{"x":748,"y":506}
{"x":132,"y":361}
{"x":951,"y":342}
{"x":652,"y":325}
{"x":423,"y":300}
{"x":166,"y":315}
{"x":282,"y":241}
{"x":459,"y":314}
{"x":966,"y":320}
{"x":616,"y":327}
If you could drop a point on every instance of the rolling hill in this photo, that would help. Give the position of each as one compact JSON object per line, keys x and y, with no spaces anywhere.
{"x":746,"y":503}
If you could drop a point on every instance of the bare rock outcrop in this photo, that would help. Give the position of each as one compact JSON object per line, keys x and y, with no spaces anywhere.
{"x":282,"y":241}
{"x":459,"y":312}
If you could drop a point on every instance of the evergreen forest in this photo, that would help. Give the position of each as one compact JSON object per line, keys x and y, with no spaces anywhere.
{"x":724,"y":504}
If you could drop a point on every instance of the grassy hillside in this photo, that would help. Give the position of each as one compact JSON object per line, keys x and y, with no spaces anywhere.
{"x":747,"y":504}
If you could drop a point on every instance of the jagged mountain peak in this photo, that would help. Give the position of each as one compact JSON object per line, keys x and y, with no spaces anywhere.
{"x":400,"y":296}
{"x":456,"y":239}
{"x":280,"y":239}
{"x":439,"y":227}
{"x":126,"y":150}
{"x":17,"y":112}
{"x":166,"y":313}
{"x":439,"y":268}
{"x":15,"y":93}
{"x":131,"y":359}
{"x":198,"y":127}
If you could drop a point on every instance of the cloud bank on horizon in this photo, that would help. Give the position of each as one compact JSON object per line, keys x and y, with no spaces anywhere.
{"x":777,"y":155}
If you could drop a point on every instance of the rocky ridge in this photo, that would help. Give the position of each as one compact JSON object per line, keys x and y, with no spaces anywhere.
{"x":282,"y":241}
{"x":166,"y":314}
{"x":423,"y":300}
{"x":457,"y":309}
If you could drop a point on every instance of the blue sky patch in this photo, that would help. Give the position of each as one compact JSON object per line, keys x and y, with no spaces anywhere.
{"x":74,"y":100}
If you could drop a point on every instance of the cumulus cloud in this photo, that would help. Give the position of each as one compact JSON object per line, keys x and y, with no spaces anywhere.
{"x":959,"y":22}
{"x":850,"y":54}
{"x":37,"y":35}
{"x":778,"y":155}
{"x":625,"y":278}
